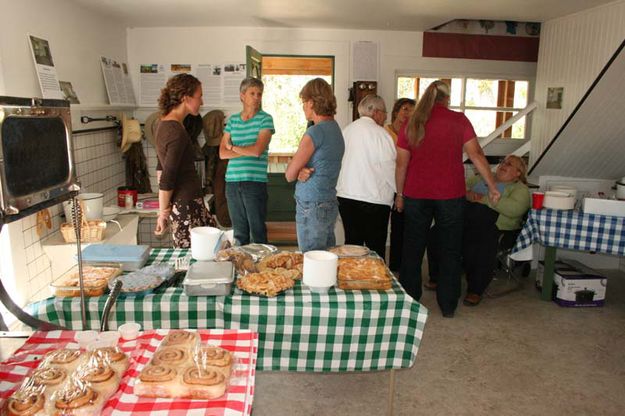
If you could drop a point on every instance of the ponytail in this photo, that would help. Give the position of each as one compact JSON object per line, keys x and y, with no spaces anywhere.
{"x":436,"y":92}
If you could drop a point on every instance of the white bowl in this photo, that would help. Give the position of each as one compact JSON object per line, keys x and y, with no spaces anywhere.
{"x":558,"y":200}
{"x":129,"y":330}
{"x":93,"y":206}
{"x":110,"y":213}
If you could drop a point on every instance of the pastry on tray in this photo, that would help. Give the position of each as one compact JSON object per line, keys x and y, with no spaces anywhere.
{"x":242,"y":261}
{"x":28,"y":400}
{"x":267,"y":283}
{"x":286,"y":263}
{"x":65,"y":358}
{"x":350,"y":250}
{"x":363,"y":273}
{"x":114,"y":357}
{"x":182,"y":368}
{"x":76,"y":397}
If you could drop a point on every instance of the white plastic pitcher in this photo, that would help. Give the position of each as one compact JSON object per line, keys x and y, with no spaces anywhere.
{"x":205,"y":242}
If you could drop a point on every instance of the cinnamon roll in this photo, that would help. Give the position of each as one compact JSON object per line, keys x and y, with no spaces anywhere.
{"x":170,"y":356}
{"x":113,"y":356}
{"x":213,"y":356}
{"x":25,"y":402}
{"x":74,"y":397}
{"x":183,"y":339}
{"x":157,"y":374}
{"x":98,"y":374}
{"x":66,"y":358}
{"x":202,"y":376}
{"x":204,"y":383}
{"x":49,"y":376}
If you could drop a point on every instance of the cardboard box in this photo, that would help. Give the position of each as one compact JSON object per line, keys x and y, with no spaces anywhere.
{"x":575,"y":284}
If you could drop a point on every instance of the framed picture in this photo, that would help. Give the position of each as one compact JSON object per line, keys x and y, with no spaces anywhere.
{"x":554,"y":97}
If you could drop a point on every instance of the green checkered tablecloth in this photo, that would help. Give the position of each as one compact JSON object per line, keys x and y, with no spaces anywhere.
{"x":298,"y":330}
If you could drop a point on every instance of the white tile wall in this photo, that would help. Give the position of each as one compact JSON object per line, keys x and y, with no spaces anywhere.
{"x":100,"y":168}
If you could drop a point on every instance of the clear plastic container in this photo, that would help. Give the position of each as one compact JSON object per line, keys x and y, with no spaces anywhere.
{"x":209,"y":278}
{"x":96,"y":277}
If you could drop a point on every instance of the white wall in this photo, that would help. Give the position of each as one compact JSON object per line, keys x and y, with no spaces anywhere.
{"x":399,"y":52}
{"x":573,"y":50}
{"x":77,"y":39}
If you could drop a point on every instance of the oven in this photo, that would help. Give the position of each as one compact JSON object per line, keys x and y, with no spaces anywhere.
{"x":37,"y":167}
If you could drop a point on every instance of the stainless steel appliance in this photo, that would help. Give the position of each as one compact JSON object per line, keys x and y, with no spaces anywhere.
{"x":36,"y":156}
{"x":37,"y":168}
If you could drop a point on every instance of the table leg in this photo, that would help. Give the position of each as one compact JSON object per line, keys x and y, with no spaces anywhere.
{"x":391,"y":392}
{"x":550,"y":260}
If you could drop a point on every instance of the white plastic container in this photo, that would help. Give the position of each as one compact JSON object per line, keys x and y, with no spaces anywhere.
{"x":205,"y":242}
{"x":129,"y":330}
{"x":320,"y":268}
{"x":559,"y":200}
{"x":85,"y":338}
{"x":209,"y":278}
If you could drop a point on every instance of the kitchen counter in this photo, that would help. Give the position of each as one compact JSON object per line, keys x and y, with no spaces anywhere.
{"x":62,"y":255}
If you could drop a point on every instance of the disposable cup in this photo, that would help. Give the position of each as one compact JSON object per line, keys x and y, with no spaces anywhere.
{"x":537,"y":200}
{"x":129,"y":330}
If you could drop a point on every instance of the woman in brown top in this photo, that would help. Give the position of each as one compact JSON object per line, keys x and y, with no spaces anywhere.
{"x":180,"y":190}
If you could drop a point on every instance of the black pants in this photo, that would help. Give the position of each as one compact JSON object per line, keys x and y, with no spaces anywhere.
{"x":397,"y":240}
{"x":448,"y":215}
{"x":365,"y":224}
{"x":481,"y":238}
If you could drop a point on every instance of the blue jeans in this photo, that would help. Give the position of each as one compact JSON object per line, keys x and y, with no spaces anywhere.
{"x":247,"y":204}
{"x":448,"y":215}
{"x":315,"y":224}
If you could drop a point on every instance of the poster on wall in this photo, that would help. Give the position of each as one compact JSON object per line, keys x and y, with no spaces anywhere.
{"x":220,"y":82}
{"x":554,"y":97}
{"x":117,"y":82}
{"x":44,"y":64}
{"x":68,"y":92}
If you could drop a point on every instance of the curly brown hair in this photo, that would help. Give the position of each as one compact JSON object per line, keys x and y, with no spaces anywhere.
{"x":177,"y":87}
{"x":320,"y":92}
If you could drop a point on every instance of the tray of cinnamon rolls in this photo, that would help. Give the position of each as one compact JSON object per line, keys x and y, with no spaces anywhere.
{"x":69,"y":382}
{"x":183,"y":367}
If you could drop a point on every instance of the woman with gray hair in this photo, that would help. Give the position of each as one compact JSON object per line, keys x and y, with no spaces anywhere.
{"x":366,"y":183}
{"x":245,"y":143}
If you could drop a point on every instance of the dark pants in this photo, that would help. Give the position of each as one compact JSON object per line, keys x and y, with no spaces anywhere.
{"x":481,"y":238}
{"x":365,"y":224}
{"x":433,"y":255}
{"x":448,"y":215}
{"x":247,"y":204}
{"x":397,"y":240}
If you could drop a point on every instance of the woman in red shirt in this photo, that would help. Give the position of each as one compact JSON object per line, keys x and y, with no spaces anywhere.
{"x":431,"y":186}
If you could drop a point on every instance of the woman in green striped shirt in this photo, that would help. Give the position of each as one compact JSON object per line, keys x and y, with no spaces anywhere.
{"x":245,"y":143}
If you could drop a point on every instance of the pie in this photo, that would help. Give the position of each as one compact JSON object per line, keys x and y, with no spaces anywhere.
{"x":285,"y":263}
{"x":95,"y":281}
{"x":349,"y":250}
{"x":267,"y":283}
{"x":363,"y":273}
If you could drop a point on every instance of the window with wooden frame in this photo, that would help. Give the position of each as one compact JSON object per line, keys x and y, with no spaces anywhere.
{"x":487,"y":103}
{"x":284,"y":76}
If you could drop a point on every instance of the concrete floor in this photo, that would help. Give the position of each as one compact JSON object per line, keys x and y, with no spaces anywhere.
{"x":514,"y":355}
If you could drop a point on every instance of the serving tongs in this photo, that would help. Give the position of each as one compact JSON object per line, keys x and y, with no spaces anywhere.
{"x":77,"y":210}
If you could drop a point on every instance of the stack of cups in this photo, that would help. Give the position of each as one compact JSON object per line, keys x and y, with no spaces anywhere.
{"x":205,"y":242}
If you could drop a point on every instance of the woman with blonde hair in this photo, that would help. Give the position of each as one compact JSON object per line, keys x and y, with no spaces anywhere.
{"x":180,"y":190}
{"x":431,"y":186}
{"x":316,"y":166}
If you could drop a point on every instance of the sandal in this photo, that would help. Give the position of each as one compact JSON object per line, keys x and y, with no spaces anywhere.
{"x":471,"y":299}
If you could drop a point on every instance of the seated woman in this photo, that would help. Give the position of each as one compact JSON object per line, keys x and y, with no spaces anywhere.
{"x":484,"y":222}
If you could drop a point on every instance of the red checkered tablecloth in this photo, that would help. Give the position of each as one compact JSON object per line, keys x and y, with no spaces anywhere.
{"x":237,"y":400}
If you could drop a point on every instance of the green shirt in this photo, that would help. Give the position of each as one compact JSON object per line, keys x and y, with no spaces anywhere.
{"x":512,"y":206}
{"x":245,"y":133}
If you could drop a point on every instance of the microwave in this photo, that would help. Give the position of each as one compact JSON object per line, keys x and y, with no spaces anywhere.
{"x":37,"y":168}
